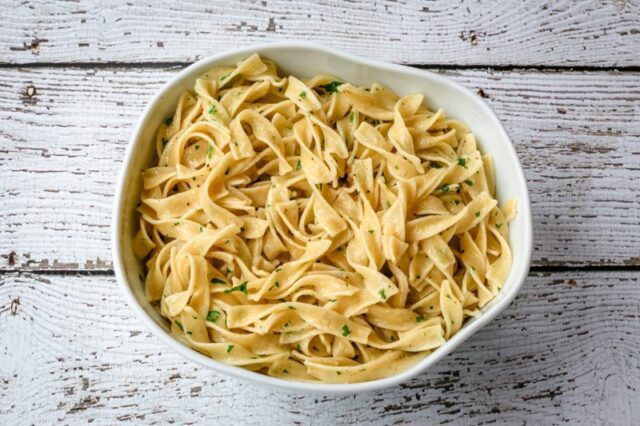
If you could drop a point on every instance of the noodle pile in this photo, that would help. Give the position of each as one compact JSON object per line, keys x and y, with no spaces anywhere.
{"x":315,"y":230}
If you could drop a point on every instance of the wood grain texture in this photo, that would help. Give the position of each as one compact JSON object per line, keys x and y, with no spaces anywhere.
{"x":564,"y":33}
{"x":567,"y":350}
{"x":61,"y":150}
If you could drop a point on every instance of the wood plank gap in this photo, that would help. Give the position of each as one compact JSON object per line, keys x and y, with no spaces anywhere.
{"x":532,"y":270}
{"x":178,"y":64}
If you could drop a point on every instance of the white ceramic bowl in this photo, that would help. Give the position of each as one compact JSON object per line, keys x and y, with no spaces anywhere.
{"x":306,"y":60}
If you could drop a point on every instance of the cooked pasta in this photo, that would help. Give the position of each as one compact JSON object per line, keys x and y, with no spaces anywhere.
{"x":315,"y":230}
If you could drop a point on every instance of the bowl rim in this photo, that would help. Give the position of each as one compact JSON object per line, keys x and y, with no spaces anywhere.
{"x":517,"y":275}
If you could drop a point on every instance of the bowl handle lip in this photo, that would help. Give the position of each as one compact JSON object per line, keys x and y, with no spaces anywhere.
{"x":516,"y":277}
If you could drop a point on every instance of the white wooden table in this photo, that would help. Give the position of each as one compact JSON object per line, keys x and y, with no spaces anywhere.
{"x":564,"y":76}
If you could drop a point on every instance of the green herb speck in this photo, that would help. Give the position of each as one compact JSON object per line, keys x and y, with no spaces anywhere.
{"x":213,"y":316}
{"x":242,"y":288}
{"x":333,"y":86}
{"x":346,"y":330}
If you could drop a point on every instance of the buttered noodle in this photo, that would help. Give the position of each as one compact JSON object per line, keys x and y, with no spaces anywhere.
{"x":315,"y":230}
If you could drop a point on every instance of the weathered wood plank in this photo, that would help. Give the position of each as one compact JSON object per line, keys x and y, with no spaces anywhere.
{"x":591,"y":33}
{"x":566,"y":350}
{"x":61,"y":150}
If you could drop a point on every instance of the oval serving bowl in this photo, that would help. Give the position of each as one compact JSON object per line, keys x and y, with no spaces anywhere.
{"x":306,"y":60}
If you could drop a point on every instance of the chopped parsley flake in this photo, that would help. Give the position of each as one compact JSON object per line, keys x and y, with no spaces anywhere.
{"x":462,"y":162}
{"x":209,"y":151}
{"x":477,"y":214}
{"x":351,"y":116}
{"x":168,"y":121}
{"x":229,"y":348}
{"x":420,"y":318}
{"x":332,"y":87}
{"x":213,"y":110}
{"x":445,"y":188}
{"x":293,"y":308}
{"x":179,"y":324}
{"x":303,"y":94}
{"x":242,"y":288}
{"x":298,"y":165}
{"x":382,"y":295}
{"x":498,"y":225}
{"x":213,"y":316}
{"x":371,"y":231}
{"x":346,"y":330}
{"x":222,"y":78}
{"x":468,"y":182}
{"x":435,"y":165}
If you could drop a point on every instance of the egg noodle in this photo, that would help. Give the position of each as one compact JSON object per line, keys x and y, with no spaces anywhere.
{"x":314,"y":230}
